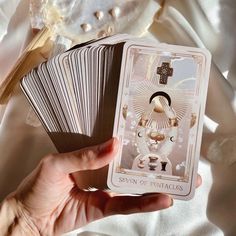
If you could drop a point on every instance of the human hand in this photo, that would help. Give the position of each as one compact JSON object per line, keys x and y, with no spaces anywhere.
{"x":50,"y":203}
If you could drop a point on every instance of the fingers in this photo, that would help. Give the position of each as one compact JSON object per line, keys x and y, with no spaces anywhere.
{"x":145,"y":203}
{"x":136,"y":204}
{"x":85,"y":159}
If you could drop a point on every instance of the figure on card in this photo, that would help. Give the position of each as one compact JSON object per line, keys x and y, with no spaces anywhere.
{"x":155,"y":145}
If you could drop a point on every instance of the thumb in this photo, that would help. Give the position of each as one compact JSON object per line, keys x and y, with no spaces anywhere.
{"x":90,"y":158}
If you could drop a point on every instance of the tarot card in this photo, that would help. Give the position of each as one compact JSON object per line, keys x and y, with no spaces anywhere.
{"x":159,"y":119}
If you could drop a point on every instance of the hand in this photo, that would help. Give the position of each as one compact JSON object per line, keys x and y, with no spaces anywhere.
{"x":52,"y":204}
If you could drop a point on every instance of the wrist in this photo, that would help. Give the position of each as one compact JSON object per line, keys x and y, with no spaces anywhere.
{"x":14,"y":220}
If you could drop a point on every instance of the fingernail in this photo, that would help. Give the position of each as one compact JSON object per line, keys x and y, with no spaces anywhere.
{"x":106,"y":147}
{"x":172,"y":202}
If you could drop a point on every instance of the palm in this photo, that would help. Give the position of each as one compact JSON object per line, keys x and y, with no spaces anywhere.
{"x":61,"y":202}
{"x":56,"y":205}
{"x":80,"y":209}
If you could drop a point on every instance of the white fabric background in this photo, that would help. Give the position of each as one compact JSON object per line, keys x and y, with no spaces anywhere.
{"x":209,"y":23}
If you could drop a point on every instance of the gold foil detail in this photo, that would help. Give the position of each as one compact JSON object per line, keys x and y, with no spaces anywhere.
{"x":193,"y":120}
{"x":173,"y":122}
{"x":143,"y":121}
{"x":156,"y":136}
{"x":124,"y":111}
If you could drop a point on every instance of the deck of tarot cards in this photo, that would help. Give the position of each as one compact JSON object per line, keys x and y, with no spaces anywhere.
{"x":150,"y":96}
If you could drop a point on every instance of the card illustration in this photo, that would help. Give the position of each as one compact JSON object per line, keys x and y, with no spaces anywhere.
{"x":160,"y":115}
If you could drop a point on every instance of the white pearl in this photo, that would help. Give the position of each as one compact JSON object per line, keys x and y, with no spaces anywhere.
{"x":115,"y":12}
{"x":102,"y":34}
{"x":99,"y":15}
{"x":86,"y":27}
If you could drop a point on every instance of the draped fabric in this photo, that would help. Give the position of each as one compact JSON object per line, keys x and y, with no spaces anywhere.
{"x":202,"y":23}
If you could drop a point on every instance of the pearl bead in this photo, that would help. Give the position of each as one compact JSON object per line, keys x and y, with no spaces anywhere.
{"x":115,"y":12}
{"x":99,"y":15}
{"x":102,"y":34}
{"x":86,"y":27}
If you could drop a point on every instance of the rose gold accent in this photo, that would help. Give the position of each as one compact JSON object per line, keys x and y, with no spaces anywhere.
{"x":141,"y":164}
{"x":156,"y":136}
{"x":124,"y":111}
{"x":193,"y":120}
{"x":173,"y":122}
{"x":143,"y":121}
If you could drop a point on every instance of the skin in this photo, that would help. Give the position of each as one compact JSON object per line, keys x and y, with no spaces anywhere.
{"x":48,"y":202}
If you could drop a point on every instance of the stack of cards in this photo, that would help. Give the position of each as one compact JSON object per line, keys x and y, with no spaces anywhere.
{"x":150,"y":96}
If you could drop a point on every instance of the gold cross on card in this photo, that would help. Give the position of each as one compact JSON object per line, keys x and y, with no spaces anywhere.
{"x":164,"y":71}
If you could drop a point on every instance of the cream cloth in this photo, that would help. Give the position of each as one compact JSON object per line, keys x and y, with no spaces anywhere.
{"x":23,"y":142}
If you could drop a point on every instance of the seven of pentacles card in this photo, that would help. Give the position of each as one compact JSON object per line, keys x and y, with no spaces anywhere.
{"x":159,"y":119}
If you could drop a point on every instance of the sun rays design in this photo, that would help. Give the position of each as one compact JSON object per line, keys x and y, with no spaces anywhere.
{"x":141,"y":93}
